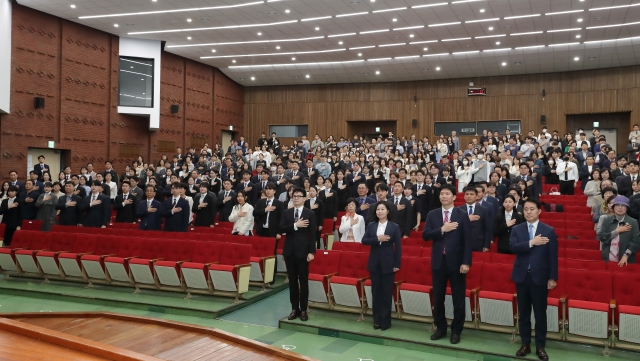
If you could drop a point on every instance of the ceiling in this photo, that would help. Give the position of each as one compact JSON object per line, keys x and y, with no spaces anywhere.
{"x":277,"y":42}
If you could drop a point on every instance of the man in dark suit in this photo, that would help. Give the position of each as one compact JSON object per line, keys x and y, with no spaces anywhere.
{"x":532,"y":184}
{"x":481,"y":226}
{"x":267,"y":214}
{"x":125,"y":204}
{"x":404,"y":211}
{"x":136,"y":191}
{"x":97,"y":207}
{"x":295,"y":174}
{"x":11,"y":214}
{"x":245,"y":185}
{"x":38,"y":186}
{"x":535,"y":272}
{"x":261,"y":180}
{"x":310,"y":172}
{"x":175,"y":210}
{"x":299,"y":223}
{"x":13,"y":181}
{"x":422,"y":192}
{"x":69,"y":207}
{"x":150,"y":211}
{"x":109,"y":169}
{"x":77,"y":190}
{"x":450,"y":230}
{"x":317,"y":206}
{"x":226,"y":201}
{"x":41,"y":168}
{"x":355,"y":179}
{"x":204,"y":206}
{"x":364,"y":202}
{"x":583,"y":153}
{"x":104,"y":188}
{"x":281,"y":180}
{"x":585,"y":172}
{"x":29,"y":196}
{"x":624,"y":182}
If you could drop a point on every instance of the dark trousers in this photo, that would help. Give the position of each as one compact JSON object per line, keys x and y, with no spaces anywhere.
{"x":530,"y":294}
{"x":8,"y":235}
{"x":458,"y":287}
{"x":566,"y":187}
{"x":298,"y":270}
{"x":382,"y":294}
{"x":262,"y":232}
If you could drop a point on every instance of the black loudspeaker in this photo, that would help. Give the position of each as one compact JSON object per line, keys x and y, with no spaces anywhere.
{"x":175,"y":108}
{"x":414,"y":122}
{"x":544,"y":92}
{"x":163,"y":43}
{"x":543,"y":119}
{"x":38,"y":103}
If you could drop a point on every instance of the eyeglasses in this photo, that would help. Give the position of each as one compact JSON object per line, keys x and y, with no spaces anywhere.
{"x":297,"y":196}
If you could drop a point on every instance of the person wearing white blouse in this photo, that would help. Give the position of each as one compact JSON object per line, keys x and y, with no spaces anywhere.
{"x":352,"y":226}
{"x":242,"y":216}
{"x":113,"y":187}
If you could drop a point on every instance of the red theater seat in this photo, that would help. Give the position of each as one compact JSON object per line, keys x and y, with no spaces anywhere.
{"x":94,"y":264}
{"x":141,"y":267}
{"x":555,"y":302}
{"x":482,"y":257}
{"x":325,"y":265}
{"x":555,"y":223}
{"x":625,"y":292}
{"x":21,"y":240}
{"x":581,"y":264}
{"x":231,"y":275}
{"x":26,"y":258}
{"x":414,"y":242}
{"x":129,"y":226}
{"x":496,"y":299}
{"x":503,"y":258}
{"x":70,"y":265}
{"x":33,"y":225}
{"x":263,"y":261}
{"x":347,"y":289}
{"x":415,"y":291}
{"x":196,"y":272}
{"x":167,"y":271}
{"x":590,"y":294}
{"x":48,"y":260}
{"x":118,"y":265}
{"x":585,"y":254}
{"x":571,"y":244}
{"x":631,"y":267}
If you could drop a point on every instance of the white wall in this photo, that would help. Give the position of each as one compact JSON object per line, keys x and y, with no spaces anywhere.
{"x":5,"y":55}
{"x":149,"y":49}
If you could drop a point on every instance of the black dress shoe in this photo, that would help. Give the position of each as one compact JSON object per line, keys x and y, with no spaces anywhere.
{"x":304,"y":316}
{"x":293,"y":315}
{"x":385,"y":328}
{"x":523,"y":351}
{"x":438,"y":335}
{"x":376,"y":327}
{"x":542,"y":354}
{"x":455,"y":338}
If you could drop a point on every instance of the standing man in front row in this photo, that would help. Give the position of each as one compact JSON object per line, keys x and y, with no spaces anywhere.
{"x":299,"y":223}
{"x":97,"y":207}
{"x":150,"y":211}
{"x":176,"y":211}
{"x":450,"y":230}
{"x":535,"y":272}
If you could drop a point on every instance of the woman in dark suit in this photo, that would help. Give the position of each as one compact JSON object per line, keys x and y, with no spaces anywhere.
{"x":382,"y":235}
{"x":11,"y":214}
{"x":507,"y":217}
{"x":340,"y":189}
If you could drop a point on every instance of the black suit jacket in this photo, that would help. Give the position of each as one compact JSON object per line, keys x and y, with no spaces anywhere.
{"x":224,"y":209}
{"x":425,"y":199}
{"x":318,"y":212}
{"x":39,"y":171}
{"x":585,"y":175}
{"x":251,"y":194}
{"x":69,"y":216}
{"x":175,"y":222}
{"x":624,"y":185}
{"x":126,"y":212}
{"x":150,"y":221}
{"x":298,"y":243}
{"x":543,"y":260}
{"x":260,"y":216}
{"x":330,"y":204}
{"x":403,"y":218}
{"x":98,"y":215}
{"x":503,"y":232}
{"x":11,"y":217}
{"x":388,"y":254}
{"x":205,"y":216}
{"x":28,"y":209}
{"x":534,"y":189}
{"x":79,"y":191}
{"x":458,"y":242}
{"x":353,"y":184}
{"x":482,"y":229}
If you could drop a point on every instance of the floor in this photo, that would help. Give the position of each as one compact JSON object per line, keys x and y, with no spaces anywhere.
{"x":14,"y":347}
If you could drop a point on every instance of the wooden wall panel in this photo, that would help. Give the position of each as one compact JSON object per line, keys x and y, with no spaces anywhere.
{"x":327,"y":107}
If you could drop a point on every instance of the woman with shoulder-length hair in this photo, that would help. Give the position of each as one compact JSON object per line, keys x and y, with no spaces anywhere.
{"x":242,"y":216}
{"x":384,"y":260}
{"x":352,"y":225}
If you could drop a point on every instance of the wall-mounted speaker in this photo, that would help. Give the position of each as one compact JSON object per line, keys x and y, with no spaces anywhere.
{"x":543,"y":119}
{"x":175,"y":108}
{"x":38,"y":103}
{"x":414,"y":123}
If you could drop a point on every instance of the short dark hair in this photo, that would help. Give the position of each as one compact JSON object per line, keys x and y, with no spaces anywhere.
{"x":470,"y":189}
{"x":534,"y":201}
{"x":448,"y":187}
{"x":298,"y":190}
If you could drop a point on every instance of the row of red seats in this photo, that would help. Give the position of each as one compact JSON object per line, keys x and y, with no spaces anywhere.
{"x":225,"y":266}
{"x":590,"y":305}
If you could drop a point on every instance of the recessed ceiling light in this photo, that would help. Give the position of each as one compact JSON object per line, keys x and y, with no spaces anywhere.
{"x":394,"y":20}
{"x":576,"y":58}
{"x":307,"y":76}
{"x":131,"y":67}
{"x":72,"y":6}
{"x":188,"y":38}
{"x":579,"y":20}
{"x":481,"y":10}
{"x":154,"y":0}
{"x":253,"y":78}
{"x":287,"y":11}
{"x":213,"y":50}
{"x":317,"y":28}
{"x":438,"y":68}
{"x":115,"y":25}
{"x":373,"y":1}
{"x":278,"y":47}
{"x":293,"y":58}
{"x":411,"y":35}
{"x":578,"y":36}
{"x":340,"y":43}
{"x":497,"y":43}
{"x":504,"y":64}
{"x":142,"y":79}
{"x":425,"y":49}
{"x":377,"y":72}
{"x":491,"y":28}
{"x":259,"y":34}
{"x":233,"y":61}
{"x":188,"y":20}
{"x":359,"y":54}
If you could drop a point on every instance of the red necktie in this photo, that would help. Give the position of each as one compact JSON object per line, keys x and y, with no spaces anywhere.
{"x":446,"y":219}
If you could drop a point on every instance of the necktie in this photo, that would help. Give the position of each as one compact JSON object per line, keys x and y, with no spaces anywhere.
{"x":149,"y":204}
{"x":226,"y":194}
{"x":246,"y":184}
{"x":446,"y":220}
{"x":296,"y":216}
{"x":397,"y":200}
{"x":266,"y":221}
{"x":470,"y":210}
{"x":419,"y":187}
{"x":264,"y":184}
{"x":309,"y":170}
{"x":361,"y":201}
{"x":93,"y":198}
{"x":125,"y":197}
{"x":566,"y":172}
{"x":530,"y":231}
{"x":174,"y":202}
{"x":280,"y":177}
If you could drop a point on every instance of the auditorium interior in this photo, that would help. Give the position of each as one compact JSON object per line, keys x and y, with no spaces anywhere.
{"x":227,"y":107}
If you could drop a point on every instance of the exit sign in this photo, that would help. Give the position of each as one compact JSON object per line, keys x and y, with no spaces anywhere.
{"x":476,"y":91}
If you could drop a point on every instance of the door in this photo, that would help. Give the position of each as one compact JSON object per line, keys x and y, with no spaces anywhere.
{"x":52,"y":158}
{"x":610,"y":134}
{"x":608,"y":122}
{"x":225,"y":139}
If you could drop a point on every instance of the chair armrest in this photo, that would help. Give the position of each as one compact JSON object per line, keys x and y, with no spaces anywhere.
{"x":156,"y":260}
{"x":399,"y":282}
{"x":82,"y":254}
{"x":612,"y":304}
{"x":242,"y":265}
{"x":262,"y":259}
{"x":129,"y":258}
{"x":58,"y":252}
{"x":476,"y":290}
{"x":210,"y":263}
{"x":108,"y":255}
{"x":181,"y":262}
{"x":563,"y":298}
{"x":361,"y":280}
{"x":328,"y":276}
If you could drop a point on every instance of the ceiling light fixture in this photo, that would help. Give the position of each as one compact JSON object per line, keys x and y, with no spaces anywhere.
{"x":287,"y":11}
{"x":504,"y":63}
{"x":423,"y":42}
{"x":253,"y":78}
{"x":394,"y":20}
{"x":172,"y":11}
{"x":339,"y":42}
{"x":611,"y":26}
{"x":492,"y":50}
{"x":293,"y":58}
{"x":340,"y":35}
{"x":213,"y":50}
{"x":445,"y":24}
{"x":528,"y":33}
{"x":437,"y":68}
{"x":359,"y":54}
{"x":425,"y":49}
{"x":215,"y":28}
{"x":378,"y":59}
{"x":377,"y":72}
{"x":115,"y":25}
{"x":411,"y":35}
{"x":385,"y":10}
{"x":579,"y":20}
{"x":497,"y":43}
{"x":307,"y":76}
{"x":388,"y":45}
{"x":613,"y":7}
{"x":352,"y":14}
{"x":564,"y":12}
{"x":72,"y":6}
{"x":521,"y":16}
{"x":272,"y":54}
{"x":318,"y":18}
{"x":440,"y":54}
{"x":481,"y":10}
{"x":278,"y":47}
{"x":481,"y":20}
{"x":246,"y":42}
{"x":188,"y":20}
{"x":373,"y":31}
{"x":428,"y":5}
{"x":576,"y":58}
{"x":491,"y":28}
{"x":363,"y":47}
{"x":606,"y":41}
{"x":552,"y":45}
{"x":466,"y":52}
{"x":317,"y":28}
{"x":409,"y":27}
{"x":559,"y":30}
{"x":490,"y":36}
{"x":464,"y":1}
{"x":233,"y":61}
{"x":457,"y":39}
{"x":188,"y":38}
{"x":578,"y":36}
{"x":530,"y":47}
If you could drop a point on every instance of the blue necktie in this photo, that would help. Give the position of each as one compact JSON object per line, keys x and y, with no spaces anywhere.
{"x":470,"y":210}
{"x":531,"y":232}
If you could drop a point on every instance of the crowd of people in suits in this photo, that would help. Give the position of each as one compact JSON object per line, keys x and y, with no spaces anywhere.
{"x":387,"y":186}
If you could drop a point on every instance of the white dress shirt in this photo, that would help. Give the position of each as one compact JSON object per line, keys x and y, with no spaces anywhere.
{"x":381,"y":228}
{"x":535,"y":228}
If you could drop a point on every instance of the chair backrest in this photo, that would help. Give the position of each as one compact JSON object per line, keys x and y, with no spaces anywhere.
{"x":107,"y":244}
{"x":503,"y":258}
{"x":261,"y":246}
{"x":560,"y":290}
{"x":555,"y":223}
{"x":22,"y":239}
{"x":474,"y":277}
{"x":31,"y":225}
{"x":41,"y":241}
{"x":84,"y":243}
{"x":497,"y":278}
{"x":125,"y":226}
{"x":414,"y":242}
{"x":347,"y":246}
{"x":426,"y":252}
{"x":62,"y":241}
{"x":415,"y":234}
{"x":586,"y":254}
{"x":582,"y":244}
{"x":327,"y":225}
{"x":613,"y":267}
{"x":417,"y":270}
{"x":593,"y":286}
{"x":354,"y":264}
{"x":59,"y":228}
{"x":155,"y":248}
{"x":483,"y":257}
{"x":582,"y":264}
{"x":206,"y":252}
{"x":625,"y":289}
{"x":131,"y":247}
{"x":179,"y":251}
{"x":325,"y":262}
{"x":411,"y":251}
{"x":234,"y":254}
